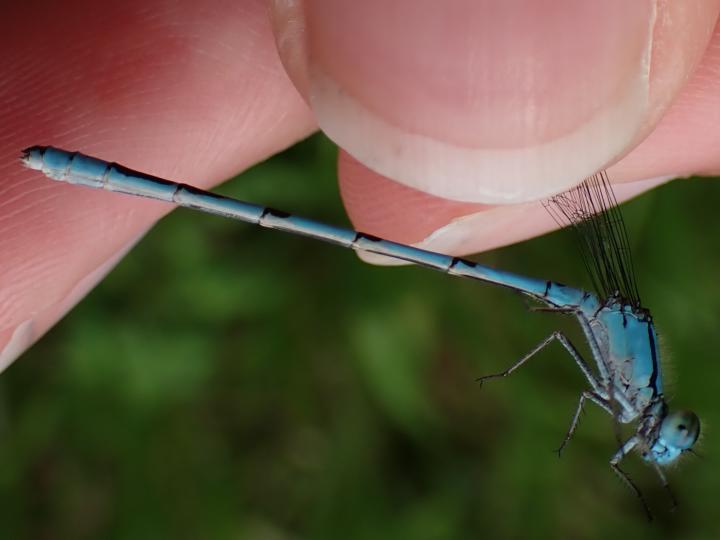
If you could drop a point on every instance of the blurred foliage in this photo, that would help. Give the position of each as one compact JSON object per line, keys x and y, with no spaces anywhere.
{"x":227,"y":381}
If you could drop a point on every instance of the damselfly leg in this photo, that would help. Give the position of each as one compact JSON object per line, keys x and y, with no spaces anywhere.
{"x":559,"y":336}
{"x":578,"y":412}
{"x":629,"y":445}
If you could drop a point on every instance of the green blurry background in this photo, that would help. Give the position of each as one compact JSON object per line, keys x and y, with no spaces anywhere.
{"x":231,"y":382}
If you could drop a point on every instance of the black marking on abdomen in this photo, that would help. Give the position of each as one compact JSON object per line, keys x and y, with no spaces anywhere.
{"x":456,"y":260}
{"x":366,"y":236}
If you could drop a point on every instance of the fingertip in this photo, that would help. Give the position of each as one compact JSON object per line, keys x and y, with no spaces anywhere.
{"x":386,"y":209}
{"x":491,"y":102}
{"x":380,"y":206}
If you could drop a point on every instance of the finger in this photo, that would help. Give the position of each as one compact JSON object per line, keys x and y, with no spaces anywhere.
{"x":381,"y":207}
{"x":685,"y":142}
{"x":488,"y":101}
{"x":187,"y":90}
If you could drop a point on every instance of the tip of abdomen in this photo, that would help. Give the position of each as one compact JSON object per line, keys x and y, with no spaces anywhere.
{"x":32,"y":157}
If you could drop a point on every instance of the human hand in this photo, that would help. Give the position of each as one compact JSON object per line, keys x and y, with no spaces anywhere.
{"x":195,"y":92}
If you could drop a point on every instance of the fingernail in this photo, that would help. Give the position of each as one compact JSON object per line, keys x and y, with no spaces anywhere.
{"x":493,"y":102}
{"x":16,"y":341}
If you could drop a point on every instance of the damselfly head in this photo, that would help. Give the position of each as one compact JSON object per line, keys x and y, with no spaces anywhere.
{"x":678,"y":432}
{"x":681,"y":429}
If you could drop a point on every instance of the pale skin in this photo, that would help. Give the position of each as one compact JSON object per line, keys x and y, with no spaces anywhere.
{"x":196,"y":91}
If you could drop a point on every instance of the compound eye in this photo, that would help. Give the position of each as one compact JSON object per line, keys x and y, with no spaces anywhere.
{"x":680,"y":429}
